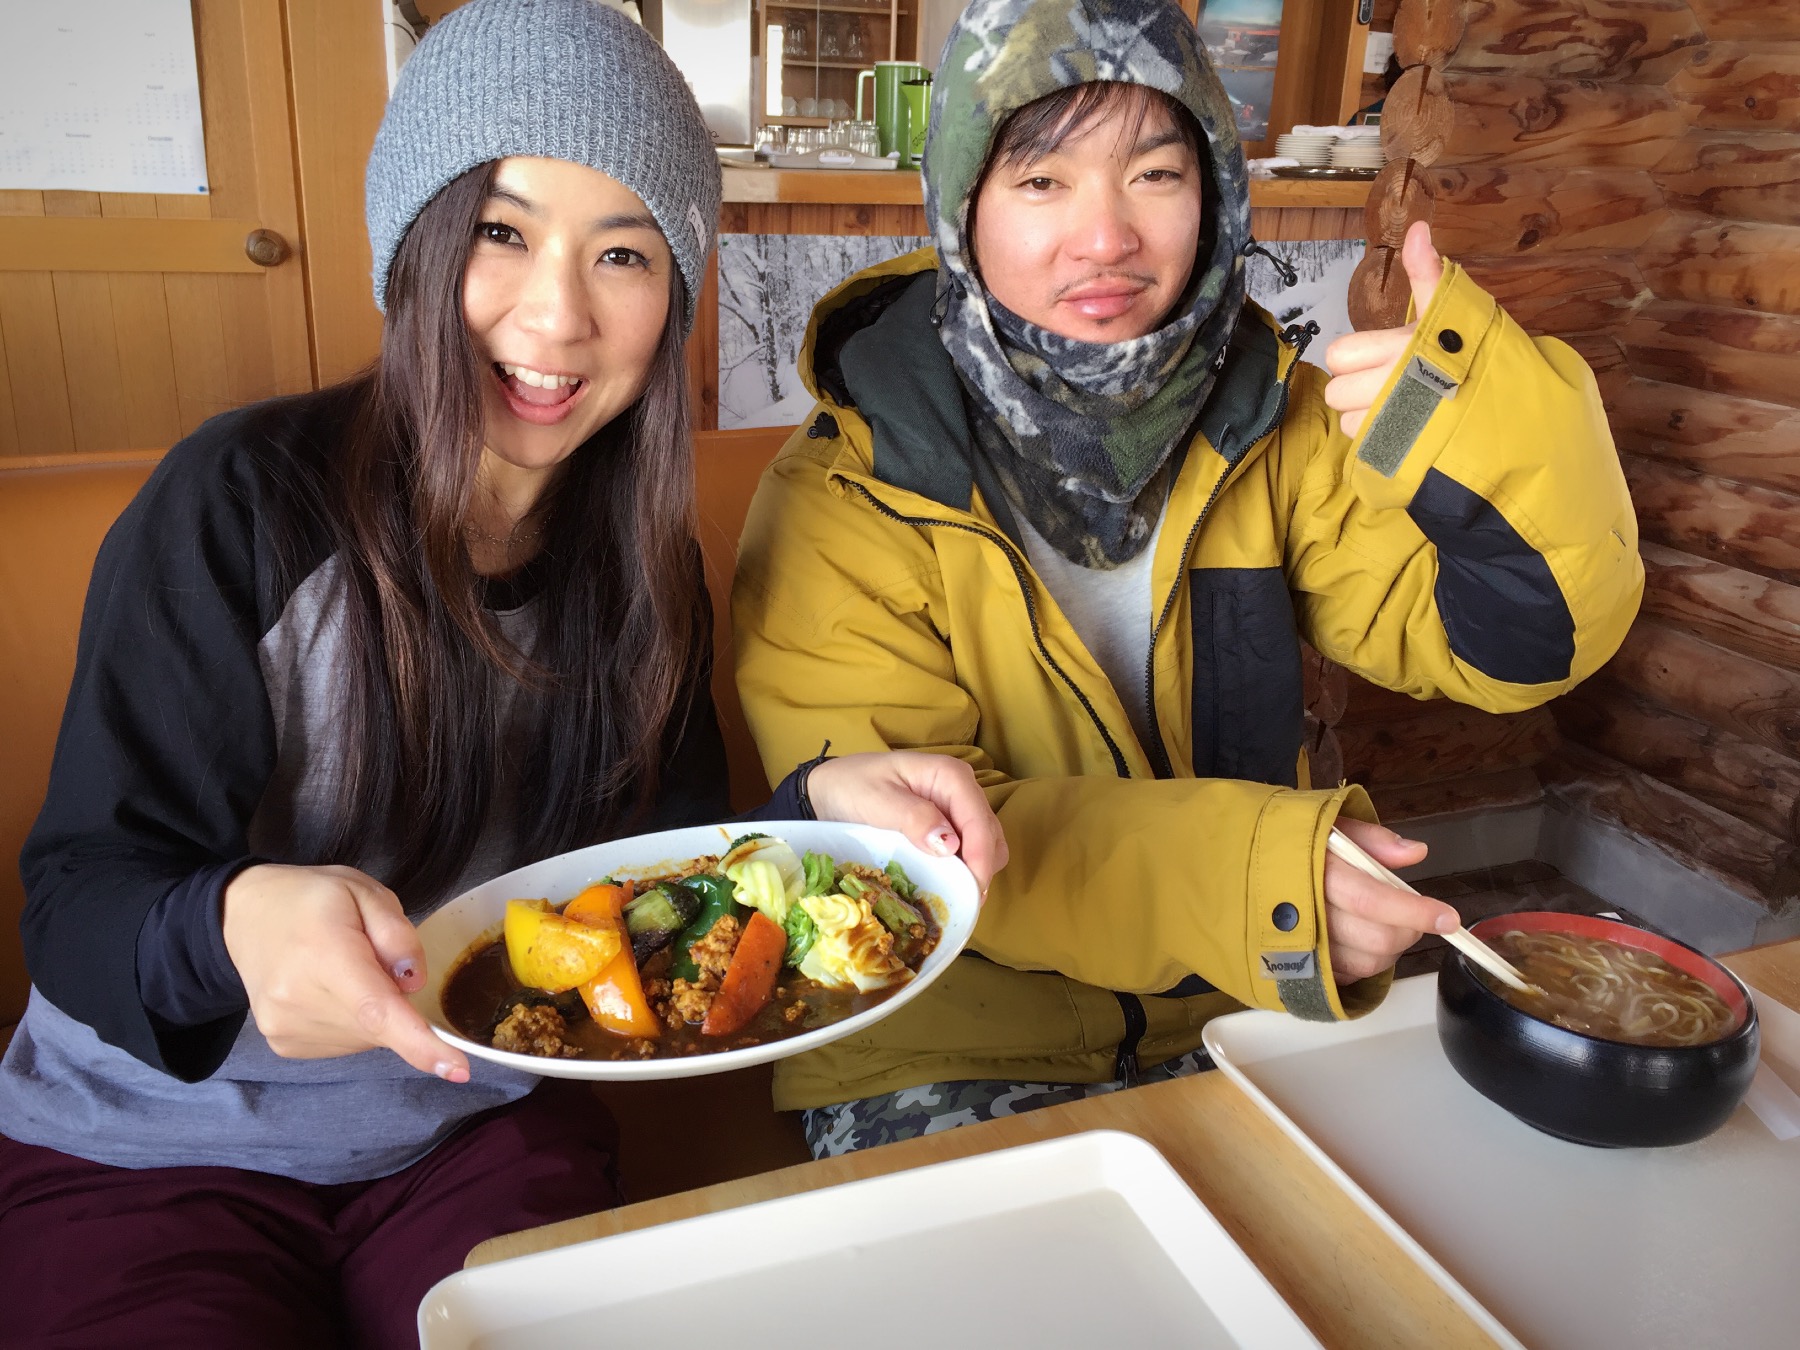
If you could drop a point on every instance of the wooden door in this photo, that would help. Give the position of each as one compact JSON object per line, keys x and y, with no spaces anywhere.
{"x":128,"y":319}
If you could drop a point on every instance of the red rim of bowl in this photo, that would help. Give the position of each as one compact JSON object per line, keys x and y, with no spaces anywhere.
{"x":1678,"y":954}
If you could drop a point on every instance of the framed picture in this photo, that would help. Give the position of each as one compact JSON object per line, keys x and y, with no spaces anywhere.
{"x":1243,"y":38}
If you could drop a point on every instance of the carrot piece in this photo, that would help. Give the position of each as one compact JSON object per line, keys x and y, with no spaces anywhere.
{"x":749,"y":981}
{"x":615,"y":996}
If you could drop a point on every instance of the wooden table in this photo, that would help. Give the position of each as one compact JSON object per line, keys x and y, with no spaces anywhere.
{"x":1350,"y":1283}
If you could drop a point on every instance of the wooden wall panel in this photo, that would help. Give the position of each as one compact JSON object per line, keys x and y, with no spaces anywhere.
{"x":1732,"y":523}
{"x":1743,"y":176}
{"x":1727,"y":351}
{"x":1489,"y":210}
{"x":1709,"y":261}
{"x":1640,"y":40}
{"x":1720,"y":434}
{"x":1437,"y":118}
{"x":1749,"y":781}
{"x":34,"y":360}
{"x":1749,"y":859}
{"x":1751,"y":20}
{"x":1739,"y":694}
{"x":1735,"y":608}
{"x":1741,"y":86}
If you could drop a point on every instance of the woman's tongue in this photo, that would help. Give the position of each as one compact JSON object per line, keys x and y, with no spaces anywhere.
{"x":542,"y":398}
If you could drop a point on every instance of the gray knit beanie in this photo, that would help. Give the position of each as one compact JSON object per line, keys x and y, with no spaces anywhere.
{"x":559,"y":79}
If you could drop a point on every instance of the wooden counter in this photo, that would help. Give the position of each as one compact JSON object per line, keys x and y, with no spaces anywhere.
{"x":1348,"y":1280}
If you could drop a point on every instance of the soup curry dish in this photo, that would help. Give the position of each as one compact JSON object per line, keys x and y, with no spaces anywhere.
{"x":1610,"y":990}
{"x":718,"y":954}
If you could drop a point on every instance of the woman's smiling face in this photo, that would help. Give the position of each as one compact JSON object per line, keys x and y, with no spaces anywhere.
{"x":566,"y":296}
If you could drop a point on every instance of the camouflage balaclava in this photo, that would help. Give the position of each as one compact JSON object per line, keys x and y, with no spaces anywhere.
{"x":1080,"y":433}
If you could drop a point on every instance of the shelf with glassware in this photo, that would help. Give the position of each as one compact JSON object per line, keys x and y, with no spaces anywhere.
{"x":819,"y":49}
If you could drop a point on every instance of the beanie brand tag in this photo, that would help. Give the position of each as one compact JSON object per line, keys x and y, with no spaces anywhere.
{"x":698,"y":221}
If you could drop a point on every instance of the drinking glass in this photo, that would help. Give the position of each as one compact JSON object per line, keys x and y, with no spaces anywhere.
{"x":828,"y":37}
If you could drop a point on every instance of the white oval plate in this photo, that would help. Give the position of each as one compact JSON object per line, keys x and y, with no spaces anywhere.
{"x":476,"y":916}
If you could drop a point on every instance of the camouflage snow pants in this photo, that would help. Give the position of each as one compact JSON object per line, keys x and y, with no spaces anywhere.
{"x":848,"y":1126}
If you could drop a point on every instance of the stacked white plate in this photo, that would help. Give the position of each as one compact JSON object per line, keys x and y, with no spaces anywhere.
{"x":1363,"y":152}
{"x":1308,"y":146}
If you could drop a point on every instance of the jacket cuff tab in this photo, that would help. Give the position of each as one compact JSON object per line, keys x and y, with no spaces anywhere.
{"x":1417,"y":415}
{"x":1289,"y":952}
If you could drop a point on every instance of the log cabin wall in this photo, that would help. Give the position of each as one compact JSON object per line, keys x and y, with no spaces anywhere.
{"x":1625,"y":175}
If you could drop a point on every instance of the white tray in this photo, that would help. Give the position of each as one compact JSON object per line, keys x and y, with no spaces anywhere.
{"x":1545,"y":1243}
{"x":1085,"y":1241}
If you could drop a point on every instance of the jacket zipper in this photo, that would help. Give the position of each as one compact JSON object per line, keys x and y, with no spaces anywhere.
{"x":1137,"y":1022}
{"x":1125,"y":1061}
{"x":1120,"y":767}
{"x":1298,"y":337}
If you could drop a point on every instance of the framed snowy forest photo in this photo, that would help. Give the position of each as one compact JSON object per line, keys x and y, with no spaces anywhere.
{"x":769,"y":283}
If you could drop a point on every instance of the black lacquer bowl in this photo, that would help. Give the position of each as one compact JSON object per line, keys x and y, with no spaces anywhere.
{"x":1582,"y":1088}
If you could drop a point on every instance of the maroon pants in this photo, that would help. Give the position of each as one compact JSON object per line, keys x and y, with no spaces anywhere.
{"x":214,"y":1257}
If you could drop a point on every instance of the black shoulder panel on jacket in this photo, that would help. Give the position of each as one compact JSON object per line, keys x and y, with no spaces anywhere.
{"x":1502,"y":609}
{"x":903,"y":382}
{"x":1248,"y":397}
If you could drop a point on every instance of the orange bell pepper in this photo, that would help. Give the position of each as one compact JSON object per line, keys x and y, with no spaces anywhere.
{"x":749,"y":981}
{"x":614,"y":997}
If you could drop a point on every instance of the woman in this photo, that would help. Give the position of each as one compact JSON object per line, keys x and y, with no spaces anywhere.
{"x":346,"y":654}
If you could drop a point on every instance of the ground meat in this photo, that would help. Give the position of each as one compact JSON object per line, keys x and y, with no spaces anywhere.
{"x":535,"y":1030}
{"x":641,"y":1047}
{"x":712,"y":953}
{"x":793,"y":1012}
{"x":690,"y":1002}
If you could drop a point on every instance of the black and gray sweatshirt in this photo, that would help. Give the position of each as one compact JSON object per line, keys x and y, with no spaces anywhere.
{"x":200,"y":736}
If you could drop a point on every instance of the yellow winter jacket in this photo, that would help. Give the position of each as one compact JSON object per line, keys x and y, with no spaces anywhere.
{"x":1475,"y":541}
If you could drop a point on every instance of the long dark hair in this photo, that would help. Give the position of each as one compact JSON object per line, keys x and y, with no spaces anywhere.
{"x":430,"y":674}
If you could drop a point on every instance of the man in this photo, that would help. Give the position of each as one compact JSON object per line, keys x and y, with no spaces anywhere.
{"x":1065,"y":510}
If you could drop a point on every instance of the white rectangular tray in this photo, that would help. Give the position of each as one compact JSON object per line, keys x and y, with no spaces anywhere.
{"x":1072,"y":1242}
{"x":1544,"y":1243}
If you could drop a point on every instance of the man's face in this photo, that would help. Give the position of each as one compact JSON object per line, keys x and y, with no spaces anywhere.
{"x":1096,"y":239}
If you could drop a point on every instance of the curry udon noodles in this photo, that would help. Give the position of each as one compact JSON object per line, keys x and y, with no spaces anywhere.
{"x":1607,"y":989}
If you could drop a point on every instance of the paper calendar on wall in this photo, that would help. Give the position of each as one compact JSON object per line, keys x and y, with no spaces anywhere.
{"x":100,"y":96}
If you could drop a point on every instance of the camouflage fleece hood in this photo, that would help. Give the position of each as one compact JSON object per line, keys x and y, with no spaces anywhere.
{"x":1080,"y":433}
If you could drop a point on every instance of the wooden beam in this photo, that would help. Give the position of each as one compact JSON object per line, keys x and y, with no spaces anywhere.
{"x":1742,"y":175}
{"x":1736,"y":693}
{"x":1562,"y":292}
{"x":1724,"y":262}
{"x":1751,"y":782}
{"x":1645,"y":40}
{"x":1454,"y":796}
{"x":1755,"y":20}
{"x":1748,"y":527}
{"x":1727,"y":605}
{"x":125,"y":244}
{"x":1495,"y":211}
{"x":1444,"y":740}
{"x":1741,"y":86}
{"x":1720,"y":434}
{"x":1727,"y":351}
{"x":1750,"y":860}
{"x":1557,"y":293}
{"x":1515,"y":120}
